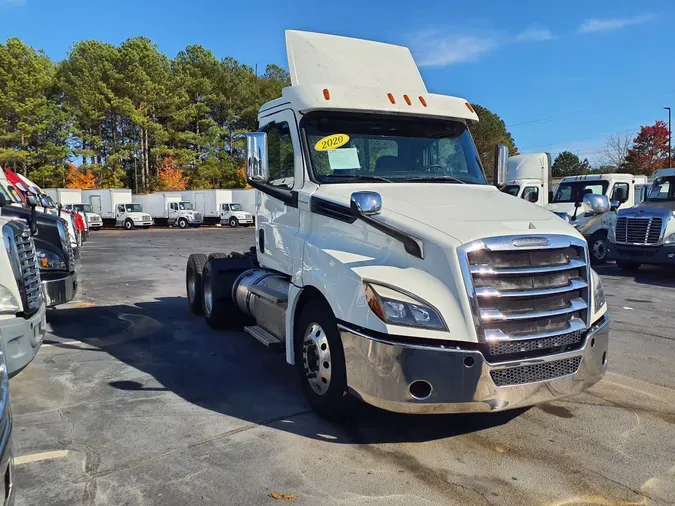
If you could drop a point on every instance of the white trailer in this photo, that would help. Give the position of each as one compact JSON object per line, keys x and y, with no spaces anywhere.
{"x":170,"y":208}
{"x":64,"y":196}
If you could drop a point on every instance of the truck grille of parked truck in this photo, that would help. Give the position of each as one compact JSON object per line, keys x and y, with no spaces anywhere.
{"x":642,"y":227}
{"x":27,"y":272}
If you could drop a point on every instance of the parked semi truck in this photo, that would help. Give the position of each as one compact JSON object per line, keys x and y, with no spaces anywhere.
{"x":169,"y":208}
{"x":621,"y":190}
{"x":385,"y":265}
{"x":645,"y":234}
{"x":529,"y":178}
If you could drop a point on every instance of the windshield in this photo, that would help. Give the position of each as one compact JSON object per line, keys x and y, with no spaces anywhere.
{"x":235,"y":207}
{"x":350,"y":147}
{"x":511,"y":189}
{"x":662,"y":190}
{"x":85,"y":208}
{"x":186,"y":206}
{"x":6,"y":194}
{"x":575,"y":191}
{"x":134,"y":208}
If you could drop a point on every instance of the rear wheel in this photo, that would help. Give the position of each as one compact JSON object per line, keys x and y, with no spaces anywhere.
{"x":128,"y":224}
{"x":218,"y":255}
{"x":233,"y":222}
{"x":598,"y":247}
{"x":193,"y":281}
{"x":628,"y":266}
{"x":218,"y":276}
{"x":320,"y":360}
{"x":182,"y":223}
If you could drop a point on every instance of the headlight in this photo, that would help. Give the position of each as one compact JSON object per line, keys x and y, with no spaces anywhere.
{"x":396,"y":308}
{"x":8,"y":303}
{"x":598,"y":292}
{"x":670,"y":239}
{"x":50,"y":261}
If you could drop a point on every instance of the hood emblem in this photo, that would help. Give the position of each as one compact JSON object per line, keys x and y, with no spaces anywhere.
{"x":531,"y":242}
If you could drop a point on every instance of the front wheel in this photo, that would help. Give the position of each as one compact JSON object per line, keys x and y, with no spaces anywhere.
{"x":320,"y":360}
{"x":628,"y":266}
{"x":233,"y":222}
{"x":128,"y":224}
{"x":182,"y":223}
{"x":598,"y":246}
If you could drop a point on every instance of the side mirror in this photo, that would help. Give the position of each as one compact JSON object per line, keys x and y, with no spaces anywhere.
{"x":563,"y":216}
{"x":500,"y":168}
{"x":366,"y":203}
{"x":257,"y":168}
{"x":32,"y":200}
{"x":596,"y":204}
{"x":614,"y":205}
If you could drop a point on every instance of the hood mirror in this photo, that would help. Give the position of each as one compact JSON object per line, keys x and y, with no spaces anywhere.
{"x":501,"y":165}
{"x":366,"y":203}
{"x":614,"y":205}
{"x":32,"y":201}
{"x":595,"y":204}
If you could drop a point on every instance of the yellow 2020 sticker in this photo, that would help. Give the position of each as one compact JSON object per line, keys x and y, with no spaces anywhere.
{"x":331,"y":142}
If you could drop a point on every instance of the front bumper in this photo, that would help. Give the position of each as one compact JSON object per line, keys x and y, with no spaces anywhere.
{"x":22,"y":339}
{"x":380,"y":372}
{"x":95,"y":226}
{"x":144,"y":223}
{"x":60,"y":290}
{"x":657,"y":255}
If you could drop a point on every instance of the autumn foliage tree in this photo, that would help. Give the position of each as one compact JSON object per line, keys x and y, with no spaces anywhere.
{"x":78,"y":178}
{"x":649,"y":151}
{"x":169,"y":176}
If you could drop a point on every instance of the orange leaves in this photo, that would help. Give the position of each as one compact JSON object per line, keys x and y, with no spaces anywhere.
{"x":77,"y":178}
{"x":170,"y":177}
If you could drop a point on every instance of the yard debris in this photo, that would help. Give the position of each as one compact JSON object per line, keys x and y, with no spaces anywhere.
{"x":279,"y":495}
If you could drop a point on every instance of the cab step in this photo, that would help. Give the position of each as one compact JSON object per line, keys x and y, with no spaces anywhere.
{"x":266,"y":338}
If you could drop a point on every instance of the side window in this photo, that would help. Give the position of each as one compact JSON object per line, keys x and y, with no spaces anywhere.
{"x":620,"y":192}
{"x":531,"y":194}
{"x":280,"y":155}
{"x":226,"y":207}
{"x":172,"y":206}
{"x":120,"y":208}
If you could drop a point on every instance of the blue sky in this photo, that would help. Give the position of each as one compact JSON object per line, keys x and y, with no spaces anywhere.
{"x":595,"y":66}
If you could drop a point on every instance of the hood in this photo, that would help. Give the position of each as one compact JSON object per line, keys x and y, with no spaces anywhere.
{"x":666,"y":204}
{"x":464,"y":212}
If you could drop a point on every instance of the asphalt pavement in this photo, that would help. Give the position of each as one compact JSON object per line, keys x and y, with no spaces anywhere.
{"x":134,"y":400}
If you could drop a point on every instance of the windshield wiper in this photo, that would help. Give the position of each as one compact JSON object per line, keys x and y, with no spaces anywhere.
{"x":360,"y":177}
{"x":431,"y":179}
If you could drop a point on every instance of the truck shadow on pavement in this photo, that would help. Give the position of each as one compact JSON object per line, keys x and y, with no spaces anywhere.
{"x":230,"y":373}
{"x":646,"y":275}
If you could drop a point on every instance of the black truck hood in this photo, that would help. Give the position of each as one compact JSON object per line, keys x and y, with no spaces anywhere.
{"x":47,"y":236}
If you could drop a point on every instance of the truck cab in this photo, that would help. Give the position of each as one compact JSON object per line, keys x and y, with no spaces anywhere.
{"x":233,"y":214}
{"x":385,"y":265}
{"x":622,"y":191}
{"x":645,"y":234}
{"x":529,"y":177}
{"x":183,"y":214}
{"x":131,"y":216}
{"x":94,"y":220}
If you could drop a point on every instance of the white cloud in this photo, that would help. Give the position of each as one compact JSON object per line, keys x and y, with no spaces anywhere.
{"x":535,"y":33}
{"x":437,"y":49}
{"x":607,"y":25}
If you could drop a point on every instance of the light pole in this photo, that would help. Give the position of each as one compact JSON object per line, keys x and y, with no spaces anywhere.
{"x":670,"y":138}
{"x":135,"y":178}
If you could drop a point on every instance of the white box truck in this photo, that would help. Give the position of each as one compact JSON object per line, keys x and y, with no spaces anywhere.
{"x":64,"y":196}
{"x":170,"y":208}
{"x":385,"y":265}
{"x":212,"y":203}
{"x":116,"y":206}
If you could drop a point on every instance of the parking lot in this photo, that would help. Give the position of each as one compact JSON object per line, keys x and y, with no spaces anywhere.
{"x":134,"y":400}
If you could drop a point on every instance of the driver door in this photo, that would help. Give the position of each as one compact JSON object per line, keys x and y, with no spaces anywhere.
{"x":119,"y":215}
{"x":224,"y":212}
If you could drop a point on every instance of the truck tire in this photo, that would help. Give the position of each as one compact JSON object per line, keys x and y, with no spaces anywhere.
{"x":182,"y":223}
{"x":597,"y":247}
{"x":193,"y":281}
{"x":218,"y":277}
{"x":628,"y":266}
{"x":320,"y":361}
{"x":128,"y":224}
{"x":218,"y":255}
{"x":233,"y":222}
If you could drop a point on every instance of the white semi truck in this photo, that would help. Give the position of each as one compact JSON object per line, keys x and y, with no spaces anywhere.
{"x":529,"y":178}
{"x":385,"y":265}
{"x":170,"y":208}
{"x":645,"y":234}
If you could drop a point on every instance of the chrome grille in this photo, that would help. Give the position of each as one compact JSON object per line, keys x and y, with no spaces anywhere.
{"x":550,"y":345}
{"x":30,"y":271}
{"x":520,"y":292}
{"x":646,"y":230}
{"x":198,"y":216}
{"x":537,"y":372}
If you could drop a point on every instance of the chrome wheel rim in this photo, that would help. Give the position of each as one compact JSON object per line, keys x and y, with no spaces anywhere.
{"x":208,"y":295}
{"x":127,"y":225}
{"x":182,"y":223}
{"x":599,"y":249}
{"x":233,"y":223}
{"x":316,"y":358}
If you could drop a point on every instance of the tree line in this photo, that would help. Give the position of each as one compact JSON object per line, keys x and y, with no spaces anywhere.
{"x":642,"y":154}
{"x":130,"y":116}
